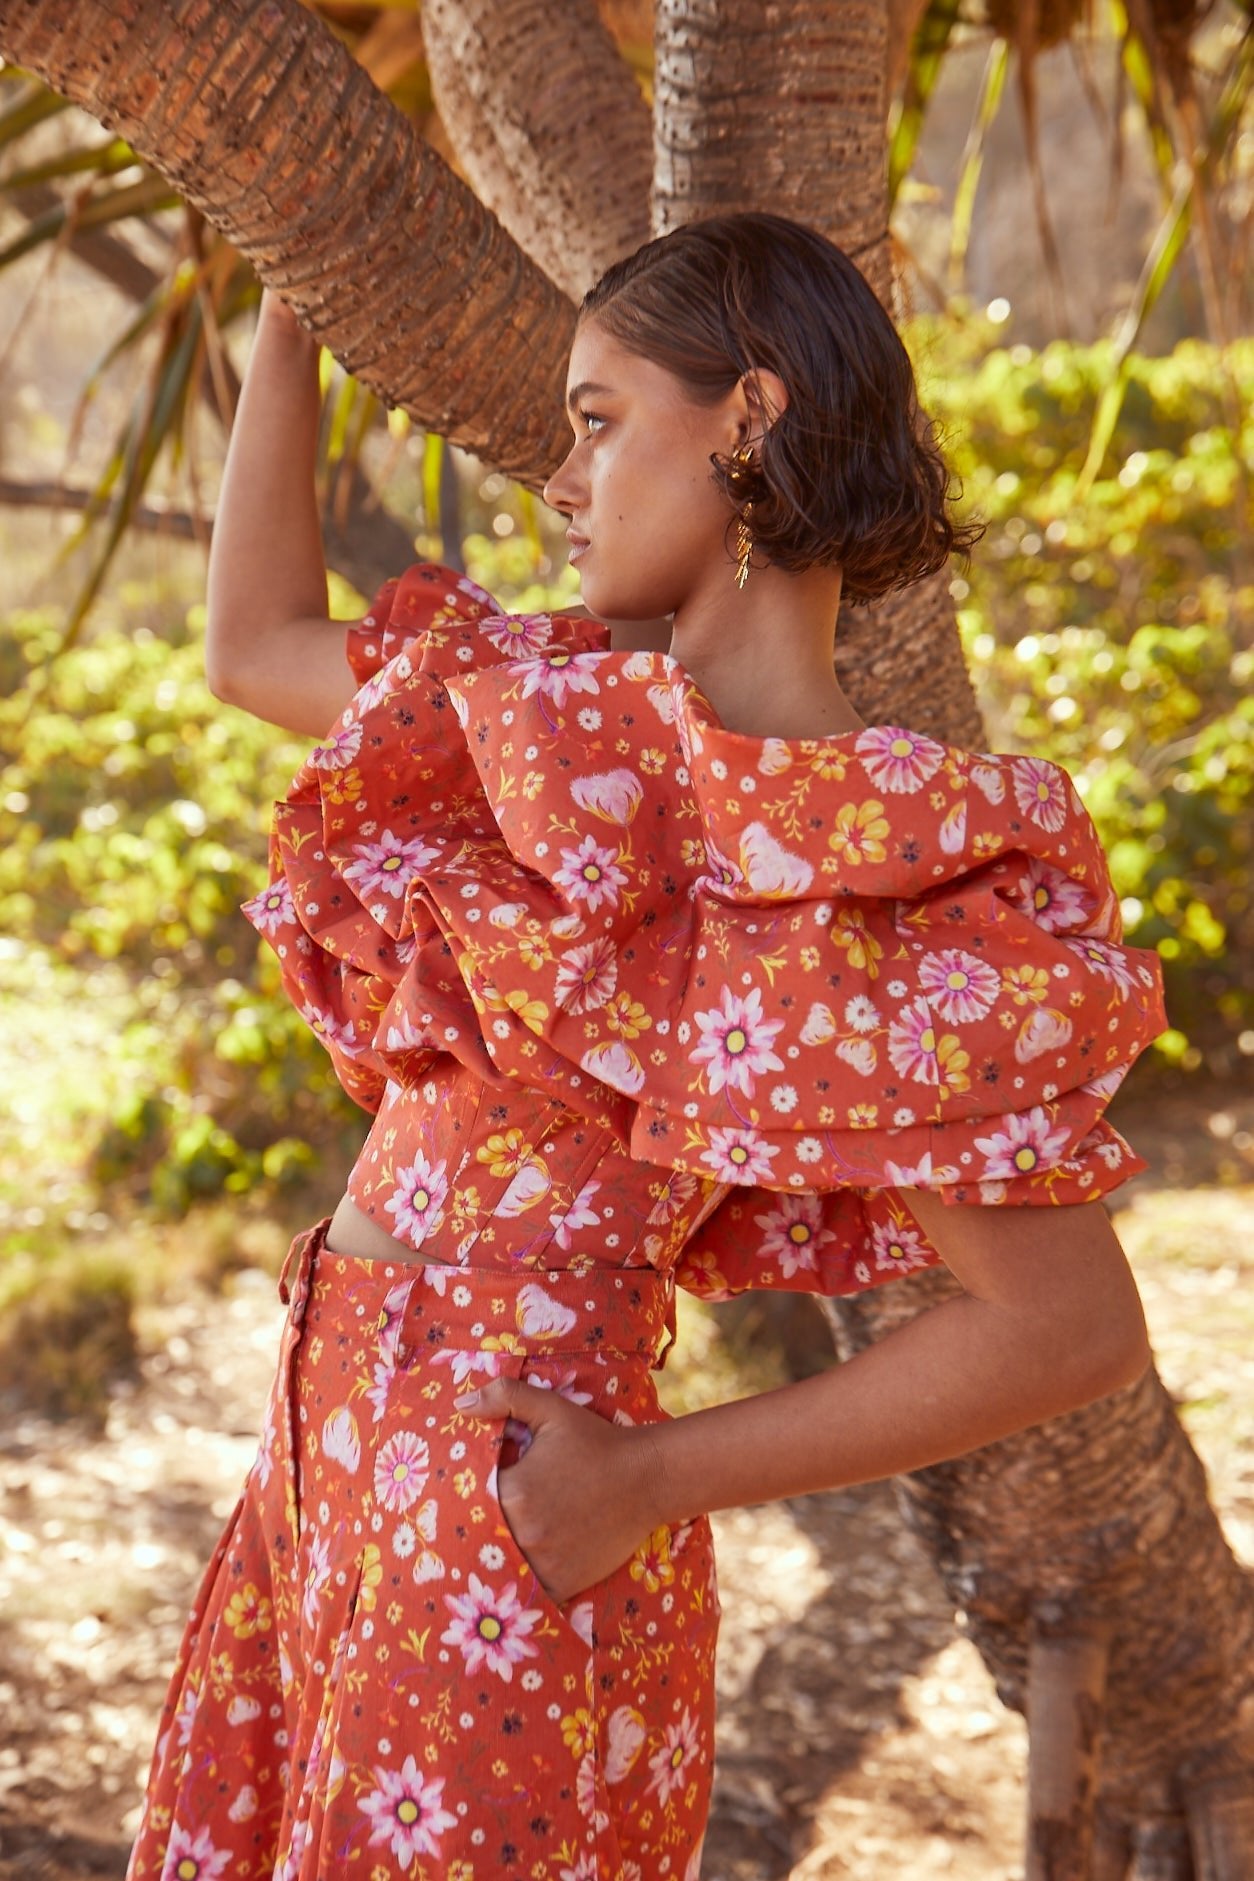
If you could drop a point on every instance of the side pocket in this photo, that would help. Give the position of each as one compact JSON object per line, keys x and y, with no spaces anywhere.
{"x":575,"y":1620}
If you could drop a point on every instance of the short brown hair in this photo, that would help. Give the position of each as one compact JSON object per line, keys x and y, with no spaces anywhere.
{"x":850,"y":474}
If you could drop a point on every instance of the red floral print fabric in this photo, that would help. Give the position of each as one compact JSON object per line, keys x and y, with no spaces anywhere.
{"x":813,"y":969}
{"x":373,"y":1681}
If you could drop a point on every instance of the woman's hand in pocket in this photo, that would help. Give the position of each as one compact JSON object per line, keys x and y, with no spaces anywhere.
{"x":581,"y":1500}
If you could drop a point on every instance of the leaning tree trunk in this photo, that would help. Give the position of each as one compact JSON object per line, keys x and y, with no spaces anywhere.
{"x":548,"y":124}
{"x":1084,"y":1554}
{"x":263,"y":120}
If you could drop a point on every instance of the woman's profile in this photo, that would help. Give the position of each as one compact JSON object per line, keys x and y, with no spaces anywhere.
{"x":654,"y":964}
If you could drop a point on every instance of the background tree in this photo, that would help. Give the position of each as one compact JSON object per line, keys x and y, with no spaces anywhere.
{"x":1092,"y":1572}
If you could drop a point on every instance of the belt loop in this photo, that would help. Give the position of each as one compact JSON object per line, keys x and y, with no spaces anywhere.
{"x":670,"y":1328}
{"x":295,"y":1256}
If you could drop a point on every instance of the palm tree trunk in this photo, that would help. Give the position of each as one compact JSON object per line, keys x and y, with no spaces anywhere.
{"x":261,"y":118}
{"x":548,"y":124}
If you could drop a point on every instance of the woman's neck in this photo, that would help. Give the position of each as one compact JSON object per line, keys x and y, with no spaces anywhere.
{"x":762,"y":655}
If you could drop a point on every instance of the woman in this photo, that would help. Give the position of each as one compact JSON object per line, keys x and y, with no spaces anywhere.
{"x":648,"y":964}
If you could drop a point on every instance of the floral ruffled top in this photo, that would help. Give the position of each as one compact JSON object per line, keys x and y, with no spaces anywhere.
{"x":827,"y":969}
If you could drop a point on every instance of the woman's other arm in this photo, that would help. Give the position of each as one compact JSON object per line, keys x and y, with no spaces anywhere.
{"x":1049,"y":1319}
{"x":269,"y":646}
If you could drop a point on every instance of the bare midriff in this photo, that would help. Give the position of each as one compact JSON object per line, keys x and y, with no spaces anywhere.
{"x":354,"y":1234}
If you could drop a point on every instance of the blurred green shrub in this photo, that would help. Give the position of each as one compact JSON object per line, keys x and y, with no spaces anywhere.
{"x":135,"y":816}
{"x":1116,"y":636}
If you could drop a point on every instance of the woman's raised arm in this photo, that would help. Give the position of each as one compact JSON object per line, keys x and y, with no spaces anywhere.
{"x":269,"y":646}
{"x":1049,"y":1319}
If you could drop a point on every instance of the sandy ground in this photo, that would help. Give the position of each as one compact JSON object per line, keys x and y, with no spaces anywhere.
{"x":859,"y":1736}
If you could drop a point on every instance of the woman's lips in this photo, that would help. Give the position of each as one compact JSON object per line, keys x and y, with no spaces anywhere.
{"x":578,"y":544}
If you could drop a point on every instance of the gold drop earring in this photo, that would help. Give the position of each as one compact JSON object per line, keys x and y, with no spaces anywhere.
{"x":742,"y":463}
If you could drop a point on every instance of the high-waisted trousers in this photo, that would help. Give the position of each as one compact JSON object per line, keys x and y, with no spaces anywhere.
{"x":372,"y":1682}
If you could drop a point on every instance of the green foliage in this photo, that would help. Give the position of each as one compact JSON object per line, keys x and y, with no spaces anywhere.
{"x":136,"y":816}
{"x":1114,"y":635}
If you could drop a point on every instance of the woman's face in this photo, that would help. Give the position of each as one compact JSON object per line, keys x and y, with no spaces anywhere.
{"x":648,"y":527}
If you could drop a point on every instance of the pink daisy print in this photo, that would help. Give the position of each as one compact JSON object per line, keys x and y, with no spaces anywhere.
{"x":739,"y":1156}
{"x":521,"y":635}
{"x":317,"y":1574}
{"x":1042,"y":791}
{"x":555,"y":674}
{"x":672,"y":1763}
{"x":418,"y":1200}
{"x":1054,"y":900}
{"x":1027,"y":1143}
{"x":590,"y":874}
{"x":899,"y":1248}
{"x":912,"y":1043}
{"x":961,"y":986}
{"x":193,"y":1857}
{"x":401,"y":1469}
{"x":272,"y":909}
{"x":586,"y":976}
{"x":736,"y":1042}
{"x":490,"y":1628}
{"x":1110,"y":962}
{"x":388,"y":866}
{"x":794,"y":1234}
{"x":339,"y":749}
{"x":407,"y":1812}
{"x":898,"y":760}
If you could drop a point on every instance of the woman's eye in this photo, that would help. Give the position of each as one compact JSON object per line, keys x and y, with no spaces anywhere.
{"x":593,"y":420}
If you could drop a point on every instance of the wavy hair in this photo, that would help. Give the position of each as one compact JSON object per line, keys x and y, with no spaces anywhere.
{"x":849,"y":474}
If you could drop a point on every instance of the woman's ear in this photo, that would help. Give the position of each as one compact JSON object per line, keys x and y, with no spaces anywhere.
{"x":765,"y":396}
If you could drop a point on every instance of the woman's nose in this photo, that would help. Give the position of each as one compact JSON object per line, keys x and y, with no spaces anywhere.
{"x":560,"y":492}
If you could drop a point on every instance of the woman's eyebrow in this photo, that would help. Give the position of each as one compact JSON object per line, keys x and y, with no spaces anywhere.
{"x":578,"y":393}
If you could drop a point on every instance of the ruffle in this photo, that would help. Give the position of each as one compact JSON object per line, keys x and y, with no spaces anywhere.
{"x":871,"y":961}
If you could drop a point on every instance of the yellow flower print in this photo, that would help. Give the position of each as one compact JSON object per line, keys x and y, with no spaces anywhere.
{"x":827,"y":1116}
{"x":1027,"y":986}
{"x":692,"y":853}
{"x":465,"y":1483}
{"x":460,"y":1871}
{"x":652,"y":761}
{"x":830,"y":765}
{"x":505,"y":1153}
{"x":849,"y":930}
{"x":863,"y":1116}
{"x":532,"y":785}
{"x":248,"y":1612}
{"x":503,"y":1342}
{"x":342,"y":786}
{"x":652,"y":1561}
{"x":986,"y":843}
{"x":578,"y":1734}
{"x":811,"y":959}
{"x":860,"y":832}
{"x":534,"y":953}
{"x":371,"y":1575}
{"x":627,"y":1016}
{"x":952,"y":1064}
{"x":532,"y":1012}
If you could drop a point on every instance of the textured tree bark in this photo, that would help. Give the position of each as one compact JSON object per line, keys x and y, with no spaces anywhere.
{"x":549,"y":126}
{"x":1065,"y":1703}
{"x":260,"y":117}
